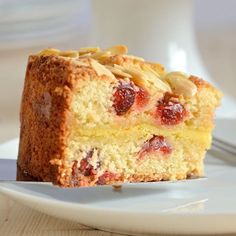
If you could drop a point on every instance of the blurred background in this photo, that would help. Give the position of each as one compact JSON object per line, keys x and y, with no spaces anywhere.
{"x":191,"y":35}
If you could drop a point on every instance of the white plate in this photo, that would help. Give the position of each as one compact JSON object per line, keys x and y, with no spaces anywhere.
{"x":187,"y":207}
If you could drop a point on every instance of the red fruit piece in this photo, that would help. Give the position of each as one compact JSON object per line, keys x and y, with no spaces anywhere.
{"x":75,"y":174}
{"x":169,"y":111}
{"x":104,"y":178}
{"x":85,"y":167}
{"x":124,"y":98}
{"x":156,"y":144}
{"x":142,"y":97}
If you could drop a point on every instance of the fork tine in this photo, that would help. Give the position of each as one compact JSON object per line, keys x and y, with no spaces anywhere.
{"x":225,"y":148}
{"x":224,"y":143}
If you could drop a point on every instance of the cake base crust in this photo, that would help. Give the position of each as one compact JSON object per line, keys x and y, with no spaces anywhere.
{"x":23,"y":175}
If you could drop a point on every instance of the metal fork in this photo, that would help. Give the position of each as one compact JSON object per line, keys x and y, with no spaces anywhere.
{"x":224,"y":146}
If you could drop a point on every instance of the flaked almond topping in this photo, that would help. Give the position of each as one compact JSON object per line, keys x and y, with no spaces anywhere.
{"x":180,"y":84}
{"x":154,"y":80}
{"x":176,"y":74}
{"x":154,"y":76}
{"x":56,"y":52}
{"x":133,"y":57}
{"x":87,"y":50}
{"x":118,"y":49}
{"x":81,"y":63}
{"x":147,"y":67}
{"x":156,"y":67}
{"x":145,"y":79}
{"x":118,"y":72}
{"x":101,"y":55}
{"x":136,"y":75}
{"x":70,"y":53}
{"x":101,"y":69}
{"x":49,"y":52}
{"x":86,"y":55}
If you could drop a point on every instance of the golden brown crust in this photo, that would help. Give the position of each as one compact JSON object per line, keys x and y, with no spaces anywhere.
{"x":200,"y":83}
{"x":135,"y":178}
{"x":25,"y":176}
{"x":44,"y":115}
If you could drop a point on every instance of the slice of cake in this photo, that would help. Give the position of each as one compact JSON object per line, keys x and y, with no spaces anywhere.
{"x":94,"y":117}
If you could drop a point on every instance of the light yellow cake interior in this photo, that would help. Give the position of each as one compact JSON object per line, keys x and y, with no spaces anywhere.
{"x":117,"y":140}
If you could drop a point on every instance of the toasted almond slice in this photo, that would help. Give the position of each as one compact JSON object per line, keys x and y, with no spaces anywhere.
{"x":86,"y":55}
{"x":184,"y":87}
{"x":91,"y":50}
{"x":49,"y":52}
{"x":81,"y":63}
{"x":101,"y":69}
{"x":157,"y":67}
{"x":133,"y":57}
{"x":101,"y":55}
{"x":180,"y":84}
{"x":176,"y":74}
{"x":118,"y":72}
{"x":155,"y":81}
{"x":145,"y":78}
{"x":118,"y":49}
{"x":147,"y":67}
{"x":70,"y":53}
{"x":154,"y":75}
{"x":136,"y":75}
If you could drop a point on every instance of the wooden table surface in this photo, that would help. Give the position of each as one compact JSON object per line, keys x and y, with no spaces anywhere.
{"x":16,"y":219}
